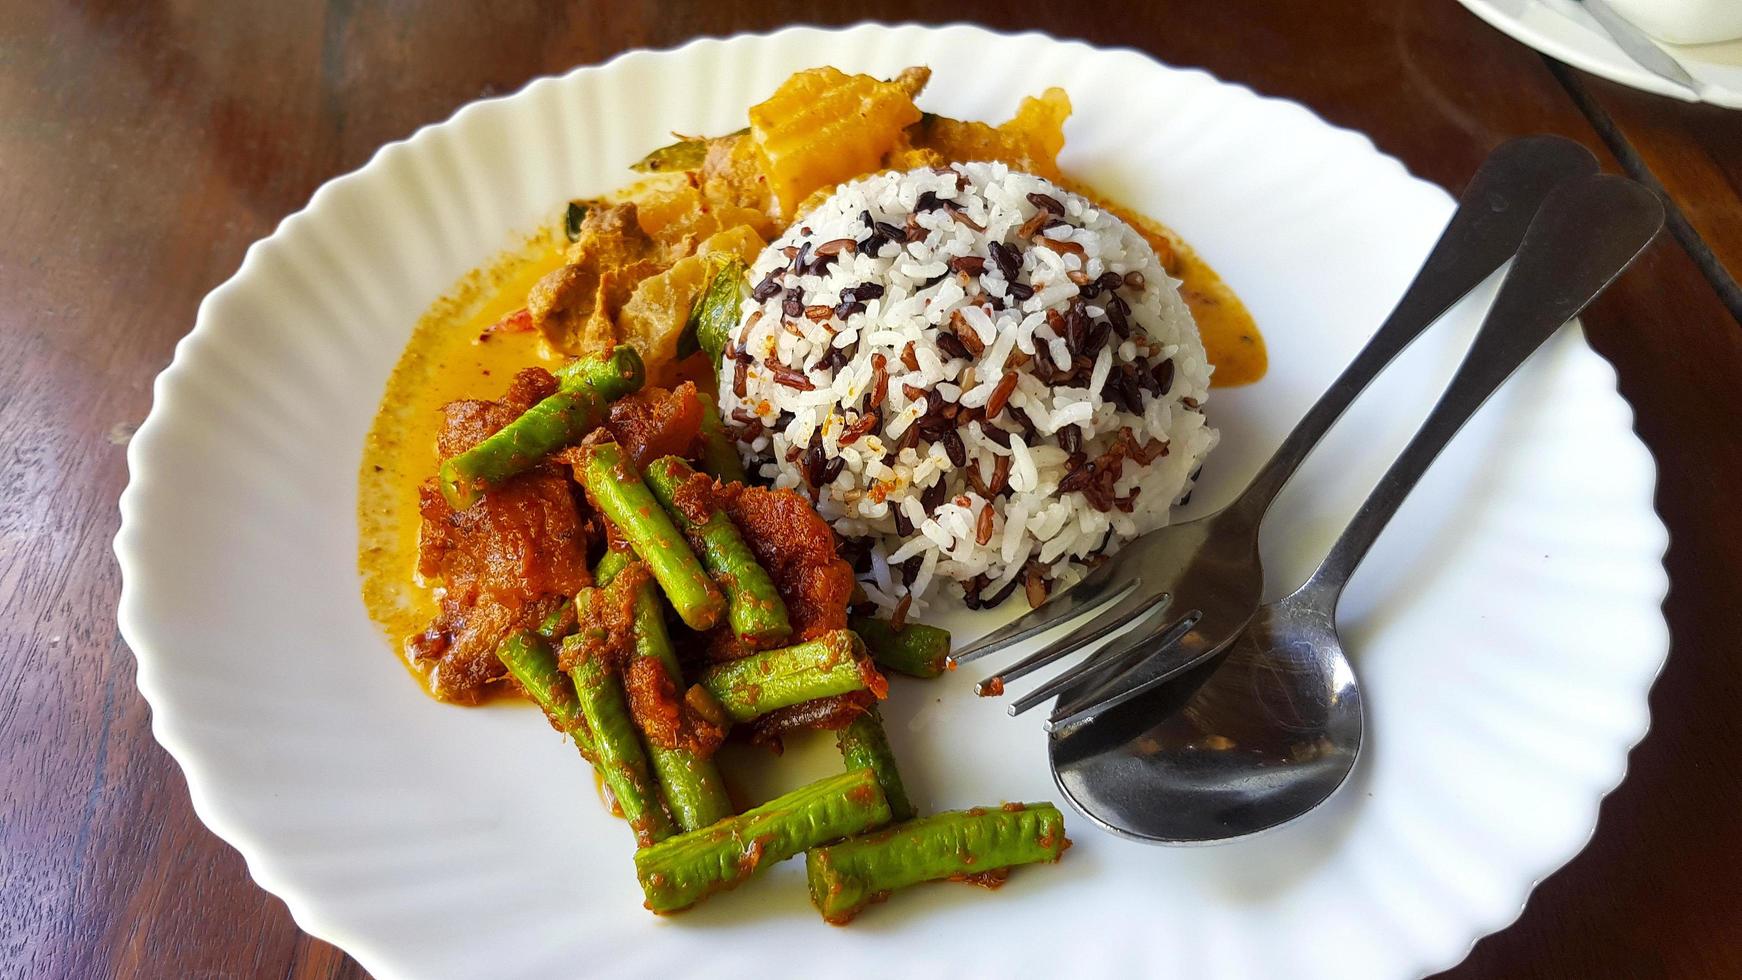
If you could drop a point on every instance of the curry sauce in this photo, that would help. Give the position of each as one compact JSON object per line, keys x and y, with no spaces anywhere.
{"x":1232,"y":343}
{"x":452,"y":355}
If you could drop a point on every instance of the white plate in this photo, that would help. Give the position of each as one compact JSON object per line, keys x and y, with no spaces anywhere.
{"x":1563,"y":29}
{"x":1506,"y":629}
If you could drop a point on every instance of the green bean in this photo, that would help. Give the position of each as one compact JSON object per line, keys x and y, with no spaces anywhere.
{"x":611,"y":565}
{"x":682,"y":871}
{"x":915,"y":650}
{"x":750,"y":687}
{"x":719,"y":457}
{"x":559,"y":622}
{"x":542,"y":429}
{"x":694,"y":791}
{"x":530,"y":661}
{"x":846,"y":877}
{"x":584,"y":386}
{"x":610,"y":374}
{"x":753,"y":605}
{"x":693,"y":787}
{"x":617,"y":491}
{"x":621,"y":761}
{"x":865,"y":745}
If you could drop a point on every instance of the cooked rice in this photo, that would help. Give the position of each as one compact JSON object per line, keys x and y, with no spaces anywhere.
{"x":845,"y":290}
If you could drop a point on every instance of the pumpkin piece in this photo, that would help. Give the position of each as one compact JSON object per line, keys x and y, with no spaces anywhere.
{"x":913,"y":158}
{"x":731,"y":215}
{"x":655,"y":316}
{"x":663,"y":201}
{"x":823,"y":126}
{"x":689,"y":220}
{"x":1039,"y":124}
{"x":1030,"y":141}
{"x":679,"y":217}
{"x":740,"y":240}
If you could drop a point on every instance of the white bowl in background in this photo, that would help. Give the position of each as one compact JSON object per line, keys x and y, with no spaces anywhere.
{"x":1563,"y":29}
{"x":1684,"y":21}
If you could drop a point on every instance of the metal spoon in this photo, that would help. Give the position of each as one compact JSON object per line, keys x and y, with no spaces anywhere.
{"x":1268,"y":731}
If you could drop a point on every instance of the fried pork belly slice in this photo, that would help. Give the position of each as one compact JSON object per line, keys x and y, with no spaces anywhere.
{"x":502,"y":563}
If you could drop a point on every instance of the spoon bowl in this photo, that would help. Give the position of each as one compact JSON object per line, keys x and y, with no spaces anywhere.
{"x":1245,"y":743}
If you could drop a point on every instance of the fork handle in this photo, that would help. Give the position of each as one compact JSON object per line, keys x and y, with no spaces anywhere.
{"x":1484,"y":232}
{"x":1587,"y":232}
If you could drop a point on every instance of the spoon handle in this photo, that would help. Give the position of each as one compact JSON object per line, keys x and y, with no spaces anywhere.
{"x":1484,"y":232}
{"x":1586,"y":233}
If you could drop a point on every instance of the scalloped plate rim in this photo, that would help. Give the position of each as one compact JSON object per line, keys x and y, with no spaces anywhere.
{"x":181,"y":746}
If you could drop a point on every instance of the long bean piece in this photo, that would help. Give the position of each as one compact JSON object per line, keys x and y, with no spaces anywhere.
{"x":621,"y":761}
{"x":559,"y":622}
{"x":753,"y":606}
{"x":610,"y":374}
{"x":750,"y":687}
{"x":530,"y":661}
{"x":914,"y":649}
{"x":578,"y":406}
{"x":613,"y":563}
{"x":616,"y":490}
{"x":865,"y":745}
{"x":719,"y":457}
{"x":693,"y":788}
{"x":682,"y":871}
{"x":846,"y":877}
{"x":541,"y":430}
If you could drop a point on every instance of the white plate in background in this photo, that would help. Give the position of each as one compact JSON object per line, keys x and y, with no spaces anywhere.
{"x":1562,"y":29}
{"x":1506,"y":627}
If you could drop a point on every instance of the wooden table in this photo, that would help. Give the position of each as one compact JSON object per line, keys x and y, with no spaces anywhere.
{"x":143,"y":146}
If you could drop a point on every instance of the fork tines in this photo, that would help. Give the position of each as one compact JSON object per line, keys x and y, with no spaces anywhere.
{"x":1135,"y":603}
{"x":1109,"y":662}
{"x":1094,"y":684}
{"x":1087,"y":596}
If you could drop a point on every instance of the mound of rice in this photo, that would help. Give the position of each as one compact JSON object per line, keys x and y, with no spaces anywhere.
{"x":979,"y":377}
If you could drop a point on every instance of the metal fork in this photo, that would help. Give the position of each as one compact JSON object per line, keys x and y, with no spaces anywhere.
{"x":1210,"y":568}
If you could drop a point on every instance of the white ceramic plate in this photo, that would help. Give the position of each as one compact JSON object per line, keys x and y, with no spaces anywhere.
{"x":1506,"y":628}
{"x":1563,"y":29}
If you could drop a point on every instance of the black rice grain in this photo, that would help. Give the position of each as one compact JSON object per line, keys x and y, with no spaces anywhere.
{"x":954,"y":448}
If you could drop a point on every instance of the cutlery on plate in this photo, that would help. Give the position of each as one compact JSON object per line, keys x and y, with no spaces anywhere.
{"x":1206,"y":572}
{"x":1642,"y":49}
{"x":1269,"y":731}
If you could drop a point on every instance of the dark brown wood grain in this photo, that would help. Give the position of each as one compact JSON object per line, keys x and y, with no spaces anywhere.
{"x":144,"y":145}
{"x":1692,"y":153}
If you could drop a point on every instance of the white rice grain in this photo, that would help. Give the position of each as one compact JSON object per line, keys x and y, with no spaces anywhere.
{"x":919,"y":296}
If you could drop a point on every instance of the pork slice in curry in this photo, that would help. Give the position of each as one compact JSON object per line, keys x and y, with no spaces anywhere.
{"x":505,"y":562}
